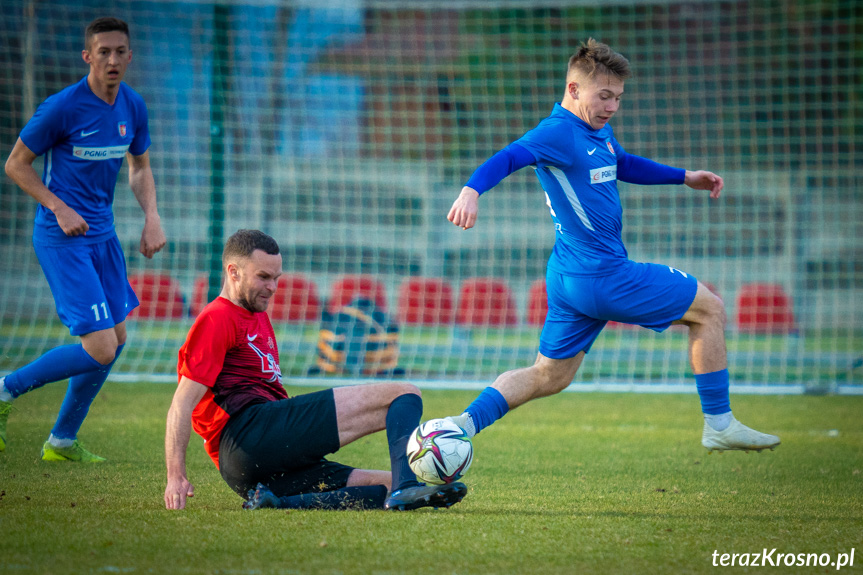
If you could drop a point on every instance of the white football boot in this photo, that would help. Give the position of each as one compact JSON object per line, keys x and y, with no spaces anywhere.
{"x":736,"y":437}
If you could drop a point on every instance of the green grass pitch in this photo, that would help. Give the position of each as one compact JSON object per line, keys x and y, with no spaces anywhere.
{"x":576,"y":483}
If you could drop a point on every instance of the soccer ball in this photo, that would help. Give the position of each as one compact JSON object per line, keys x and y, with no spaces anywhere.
{"x":439,"y":451}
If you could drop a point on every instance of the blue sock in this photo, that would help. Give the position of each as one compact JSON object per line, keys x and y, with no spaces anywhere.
{"x":487,"y":408}
{"x":402,"y":418}
{"x":80,"y":394}
{"x":713,"y":391}
{"x":54,"y":365}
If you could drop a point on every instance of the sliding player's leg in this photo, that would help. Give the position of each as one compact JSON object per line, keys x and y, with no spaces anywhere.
{"x":396,"y":407}
{"x":321,"y":485}
{"x":356,"y":497}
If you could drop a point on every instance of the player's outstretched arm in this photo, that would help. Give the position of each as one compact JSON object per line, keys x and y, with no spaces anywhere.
{"x":703,"y":180}
{"x":19,"y":167}
{"x":464,"y":209}
{"x":510,"y":159}
{"x":177,"y":434}
{"x":144,"y":187}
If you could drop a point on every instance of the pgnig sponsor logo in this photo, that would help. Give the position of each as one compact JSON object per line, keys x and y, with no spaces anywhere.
{"x":604,"y":174}
{"x":104,"y":153}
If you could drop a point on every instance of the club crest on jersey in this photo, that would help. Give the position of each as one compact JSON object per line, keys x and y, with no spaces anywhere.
{"x":269,"y":365}
{"x":121,"y":127}
{"x":610,"y":147}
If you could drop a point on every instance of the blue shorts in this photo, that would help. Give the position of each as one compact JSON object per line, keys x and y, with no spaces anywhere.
{"x":649,"y":295}
{"x":89,"y":284}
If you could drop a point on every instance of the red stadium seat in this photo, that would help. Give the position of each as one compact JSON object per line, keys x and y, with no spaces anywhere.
{"x":486,"y":302}
{"x":346,"y":288}
{"x":617,"y":325}
{"x":425,"y":301}
{"x":537,"y":303}
{"x":199,"y":294}
{"x":296,"y":299}
{"x":159,"y":294}
{"x":764,"y":308}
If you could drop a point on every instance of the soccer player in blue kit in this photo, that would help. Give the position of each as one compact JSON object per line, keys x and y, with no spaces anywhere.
{"x":590,"y":280}
{"x":84,"y":131}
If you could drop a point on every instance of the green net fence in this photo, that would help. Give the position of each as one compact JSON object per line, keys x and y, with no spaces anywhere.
{"x":346,"y":131}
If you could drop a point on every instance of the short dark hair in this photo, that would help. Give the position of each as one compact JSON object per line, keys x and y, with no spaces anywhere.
{"x":105,"y":24}
{"x":594,"y":58}
{"x":244,"y":242}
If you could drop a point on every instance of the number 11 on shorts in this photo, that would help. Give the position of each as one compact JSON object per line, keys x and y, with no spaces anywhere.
{"x":95,"y":308}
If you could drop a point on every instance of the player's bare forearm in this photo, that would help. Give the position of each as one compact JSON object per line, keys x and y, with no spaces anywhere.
{"x":704,"y":180}
{"x":177,"y":433}
{"x":464,"y":210}
{"x":144,"y":187}
{"x":142,"y":183}
{"x":19,"y":168}
{"x":28,"y":180}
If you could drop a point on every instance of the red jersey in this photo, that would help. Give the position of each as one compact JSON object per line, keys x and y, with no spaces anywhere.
{"x":232,"y":351}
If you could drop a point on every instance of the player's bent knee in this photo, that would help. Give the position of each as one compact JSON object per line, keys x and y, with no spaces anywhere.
{"x":708,"y":309}
{"x":102,"y":352}
{"x":716,"y":312}
{"x":101,"y":345}
{"x":103,"y":356}
{"x":407,"y":388}
{"x":551,"y":376}
{"x":397,"y":389}
{"x":556,"y":385}
{"x":414,"y":389}
{"x":547,"y":383}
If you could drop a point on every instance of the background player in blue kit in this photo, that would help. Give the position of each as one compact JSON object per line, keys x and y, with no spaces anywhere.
{"x":84,"y":131}
{"x":589,"y":278}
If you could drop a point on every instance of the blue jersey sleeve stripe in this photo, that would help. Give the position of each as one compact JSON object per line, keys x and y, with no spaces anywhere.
{"x":48,"y":167}
{"x":505,"y":162}
{"x":571,"y":196}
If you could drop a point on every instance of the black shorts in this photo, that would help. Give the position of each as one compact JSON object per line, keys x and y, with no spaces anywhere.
{"x":282,"y":444}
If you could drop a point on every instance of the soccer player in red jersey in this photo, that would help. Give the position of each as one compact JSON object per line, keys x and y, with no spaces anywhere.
{"x":269,"y":447}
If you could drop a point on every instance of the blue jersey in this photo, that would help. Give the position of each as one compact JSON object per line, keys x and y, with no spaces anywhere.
{"x":578,"y":168}
{"x":84,"y":140}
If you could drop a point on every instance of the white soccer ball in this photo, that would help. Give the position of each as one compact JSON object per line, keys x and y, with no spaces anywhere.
{"x":439,"y":451}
